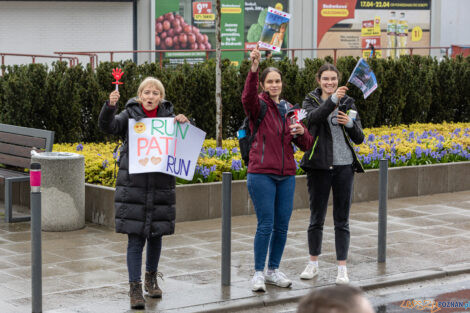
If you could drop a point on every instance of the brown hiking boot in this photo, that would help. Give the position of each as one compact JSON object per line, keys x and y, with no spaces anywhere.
{"x":151,"y":284}
{"x":137,"y":298}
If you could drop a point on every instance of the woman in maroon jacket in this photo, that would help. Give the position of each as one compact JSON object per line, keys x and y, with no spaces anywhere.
{"x":271,"y":170}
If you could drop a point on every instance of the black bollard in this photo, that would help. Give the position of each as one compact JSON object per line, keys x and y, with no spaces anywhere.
{"x":383,"y":195}
{"x":36,"y":258}
{"x":226,"y":227}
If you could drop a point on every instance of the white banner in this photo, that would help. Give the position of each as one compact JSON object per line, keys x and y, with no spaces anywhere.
{"x":161,"y":145}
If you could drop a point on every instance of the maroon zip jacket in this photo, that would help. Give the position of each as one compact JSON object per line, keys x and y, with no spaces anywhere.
{"x":272,"y":151}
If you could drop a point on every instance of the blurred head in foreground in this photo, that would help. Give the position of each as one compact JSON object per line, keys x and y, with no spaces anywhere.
{"x":335,"y":299}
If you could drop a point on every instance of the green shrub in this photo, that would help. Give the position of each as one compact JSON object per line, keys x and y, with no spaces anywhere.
{"x":69,"y":100}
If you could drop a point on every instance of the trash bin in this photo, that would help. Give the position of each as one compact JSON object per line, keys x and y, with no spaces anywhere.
{"x":63,"y":190}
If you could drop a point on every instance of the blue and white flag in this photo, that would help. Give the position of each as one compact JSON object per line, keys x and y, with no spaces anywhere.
{"x":363,"y":77}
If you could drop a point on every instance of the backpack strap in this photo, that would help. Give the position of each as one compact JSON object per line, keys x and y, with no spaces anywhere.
{"x":262,"y":113}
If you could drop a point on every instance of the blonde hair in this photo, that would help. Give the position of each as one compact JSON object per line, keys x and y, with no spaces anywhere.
{"x":154,"y":82}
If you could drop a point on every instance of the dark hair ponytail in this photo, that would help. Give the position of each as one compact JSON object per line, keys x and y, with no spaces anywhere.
{"x":267,"y":71}
{"x":328,"y":67}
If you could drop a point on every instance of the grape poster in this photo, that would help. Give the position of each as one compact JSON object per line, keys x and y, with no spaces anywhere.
{"x":186,"y":28}
{"x":391,"y":26}
{"x":160,"y":145}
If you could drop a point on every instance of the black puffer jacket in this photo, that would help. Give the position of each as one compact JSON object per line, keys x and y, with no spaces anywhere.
{"x":321,"y":154}
{"x":144,"y":203}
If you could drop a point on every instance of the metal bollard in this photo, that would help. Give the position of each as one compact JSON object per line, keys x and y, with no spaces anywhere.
{"x":383,"y":195}
{"x":226,"y":227}
{"x":36,"y":258}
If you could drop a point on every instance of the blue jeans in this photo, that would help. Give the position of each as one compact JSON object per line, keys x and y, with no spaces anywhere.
{"x":273,"y":198}
{"x":135,"y":246}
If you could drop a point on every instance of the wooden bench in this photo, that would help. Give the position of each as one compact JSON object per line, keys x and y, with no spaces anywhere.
{"x":16,"y":144}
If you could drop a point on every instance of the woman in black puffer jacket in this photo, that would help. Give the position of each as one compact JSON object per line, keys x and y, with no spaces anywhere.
{"x":330,"y":165}
{"x":144,"y":203}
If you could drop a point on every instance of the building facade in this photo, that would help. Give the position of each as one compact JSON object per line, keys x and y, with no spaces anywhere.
{"x":45,"y":27}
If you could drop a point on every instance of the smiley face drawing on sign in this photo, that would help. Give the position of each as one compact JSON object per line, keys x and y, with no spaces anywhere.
{"x":139,"y":127}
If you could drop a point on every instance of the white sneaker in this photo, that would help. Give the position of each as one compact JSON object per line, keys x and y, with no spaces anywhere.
{"x":310,"y":271}
{"x":277,"y":278}
{"x":257,"y":282}
{"x":342,"y":277}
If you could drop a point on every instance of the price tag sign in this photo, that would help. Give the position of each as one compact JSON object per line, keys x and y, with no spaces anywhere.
{"x":416,"y":33}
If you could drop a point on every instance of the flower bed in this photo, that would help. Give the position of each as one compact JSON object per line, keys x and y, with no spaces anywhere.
{"x":403,"y":145}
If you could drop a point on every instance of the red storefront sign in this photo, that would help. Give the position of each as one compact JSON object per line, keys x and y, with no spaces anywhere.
{"x":331,"y":12}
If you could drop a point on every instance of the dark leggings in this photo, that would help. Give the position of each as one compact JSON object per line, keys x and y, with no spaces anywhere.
{"x":135,"y":247}
{"x":320,"y":182}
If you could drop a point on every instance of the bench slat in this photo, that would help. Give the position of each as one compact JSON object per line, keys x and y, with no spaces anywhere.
{"x":4,"y":173}
{"x":16,"y":150}
{"x":23,"y":140}
{"x":15,"y":160}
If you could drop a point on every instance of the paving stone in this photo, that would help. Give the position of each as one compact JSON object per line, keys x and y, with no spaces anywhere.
{"x":85,"y":271}
{"x":422,"y":221}
{"x":83,"y":266}
{"x":438,"y":231}
{"x":406,"y":236}
{"x":25,"y":259}
{"x":94,"y":279}
{"x":405,"y":213}
{"x":48,"y":270}
{"x":196,"y":265}
{"x":453,"y":218}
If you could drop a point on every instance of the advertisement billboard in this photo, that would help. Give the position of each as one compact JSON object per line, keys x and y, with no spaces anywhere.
{"x":190,"y":25}
{"x":357,"y":24}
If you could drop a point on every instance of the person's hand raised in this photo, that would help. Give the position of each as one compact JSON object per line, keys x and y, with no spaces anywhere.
{"x":113,"y":98}
{"x":341,"y":92}
{"x":255,"y":57}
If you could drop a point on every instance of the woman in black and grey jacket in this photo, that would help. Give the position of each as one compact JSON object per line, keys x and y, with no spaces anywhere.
{"x":330,"y":164}
{"x":144,"y":203}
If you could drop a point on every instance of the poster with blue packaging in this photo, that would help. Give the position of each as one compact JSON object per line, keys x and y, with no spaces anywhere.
{"x":274,"y":29}
{"x":363,"y":78}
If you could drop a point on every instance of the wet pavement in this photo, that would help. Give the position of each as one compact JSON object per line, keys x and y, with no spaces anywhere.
{"x":449,"y":294}
{"x":85,"y":270}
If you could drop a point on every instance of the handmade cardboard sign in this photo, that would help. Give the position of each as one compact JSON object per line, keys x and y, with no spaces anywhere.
{"x":161,"y":145}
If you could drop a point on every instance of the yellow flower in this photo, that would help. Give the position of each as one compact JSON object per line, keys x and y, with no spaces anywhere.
{"x":100,"y":162}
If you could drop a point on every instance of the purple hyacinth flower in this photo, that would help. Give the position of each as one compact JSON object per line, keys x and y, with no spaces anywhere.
{"x":418,"y":151}
{"x":236,"y":165}
{"x":210,"y":152}
{"x":219,"y":151}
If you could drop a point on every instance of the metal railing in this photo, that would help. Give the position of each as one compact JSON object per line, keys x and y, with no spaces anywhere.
{"x":72,"y":60}
{"x":73,"y":56}
{"x":93,"y":55}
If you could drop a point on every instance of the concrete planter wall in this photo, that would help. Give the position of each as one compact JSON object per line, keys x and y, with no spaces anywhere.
{"x":203,"y":201}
